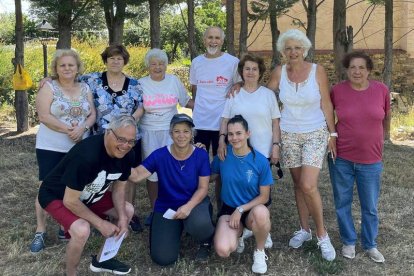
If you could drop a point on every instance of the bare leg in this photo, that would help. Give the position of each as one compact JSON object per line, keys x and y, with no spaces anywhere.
{"x":217,"y":190}
{"x":41,"y":216}
{"x":300,"y":199}
{"x":258,"y":221}
{"x":225,"y":237}
{"x":152,"y":188}
{"x":309,"y":187}
{"x":79,"y":231}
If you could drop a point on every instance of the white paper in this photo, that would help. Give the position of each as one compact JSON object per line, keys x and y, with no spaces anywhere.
{"x":169,"y":214}
{"x":111,"y":248}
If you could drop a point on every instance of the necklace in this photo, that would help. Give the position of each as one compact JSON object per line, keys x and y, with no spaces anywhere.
{"x":181,"y":165}
{"x":239,"y":157}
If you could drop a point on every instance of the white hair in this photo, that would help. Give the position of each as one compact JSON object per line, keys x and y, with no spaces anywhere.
{"x":294,"y":34}
{"x":222,"y":34}
{"x":157,"y":54}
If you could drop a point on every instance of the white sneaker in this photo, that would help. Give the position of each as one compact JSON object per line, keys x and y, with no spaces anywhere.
{"x":348,"y":251}
{"x":240,"y":246}
{"x":269,"y":242}
{"x":328,"y":251}
{"x":259,"y":261}
{"x":247,"y":233}
{"x":299,"y":237}
{"x":375,"y":255}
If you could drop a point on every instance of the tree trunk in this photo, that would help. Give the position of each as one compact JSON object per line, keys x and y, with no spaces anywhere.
{"x":115,"y":20}
{"x":230,"y":27}
{"x":155,"y":26}
{"x":243,"y":28}
{"x":388,"y":55}
{"x":65,"y":24}
{"x":191,"y":29}
{"x":342,"y":37}
{"x":311,"y":28}
{"x":21,"y":103}
{"x":275,"y":34}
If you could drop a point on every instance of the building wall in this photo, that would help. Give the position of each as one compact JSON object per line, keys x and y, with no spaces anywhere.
{"x":371,"y":36}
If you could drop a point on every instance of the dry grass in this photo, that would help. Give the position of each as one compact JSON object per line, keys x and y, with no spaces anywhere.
{"x":396,"y":239}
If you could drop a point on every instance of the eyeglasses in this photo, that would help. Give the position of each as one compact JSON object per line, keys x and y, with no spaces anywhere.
{"x":296,"y":48}
{"x":122,"y":140}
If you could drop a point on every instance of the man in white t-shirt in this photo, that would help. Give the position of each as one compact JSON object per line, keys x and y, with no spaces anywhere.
{"x":211,"y":75}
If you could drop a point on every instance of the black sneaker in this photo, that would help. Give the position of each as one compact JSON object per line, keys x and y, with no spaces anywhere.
{"x":112,"y":266}
{"x":135,"y":224}
{"x":203,"y":252}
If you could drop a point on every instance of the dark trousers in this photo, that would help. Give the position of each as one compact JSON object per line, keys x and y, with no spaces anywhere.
{"x":165,"y":234}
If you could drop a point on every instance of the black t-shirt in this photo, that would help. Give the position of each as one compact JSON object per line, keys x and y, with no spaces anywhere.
{"x":88,"y":168}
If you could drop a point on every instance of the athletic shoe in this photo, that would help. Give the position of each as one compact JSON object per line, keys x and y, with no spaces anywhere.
{"x":247,"y":233}
{"x":328,"y":251}
{"x":269,"y":242}
{"x":63,"y":236}
{"x":375,"y":255}
{"x":135,"y":225}
{"x":203,"y":252}
{"x":259,"y":261}
{"x":348,"y":251}
{"x":38,"y":243}
{"x":148,"y":220}
{"x":240,"y":245}
{"x":112,"y":266}
{"x":299,"y":237}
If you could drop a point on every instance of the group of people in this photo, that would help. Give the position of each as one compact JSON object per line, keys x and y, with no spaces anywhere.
{"x":138,"y":134}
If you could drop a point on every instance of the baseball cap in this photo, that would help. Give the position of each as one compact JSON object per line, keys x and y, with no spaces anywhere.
{"x":181,"y":118}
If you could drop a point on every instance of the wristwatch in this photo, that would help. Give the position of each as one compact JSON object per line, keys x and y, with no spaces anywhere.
{"x":277,"y":144}
{"x":240,"y":209}
{"x":333,"y":134}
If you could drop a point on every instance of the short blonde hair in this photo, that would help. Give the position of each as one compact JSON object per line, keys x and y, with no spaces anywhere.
{"x":62,"y":53}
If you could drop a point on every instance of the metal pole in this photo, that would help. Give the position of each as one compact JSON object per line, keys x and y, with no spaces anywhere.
{"x":44,"y":59}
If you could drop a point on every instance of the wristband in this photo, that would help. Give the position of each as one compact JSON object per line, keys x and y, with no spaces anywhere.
{"x":222,"y":134}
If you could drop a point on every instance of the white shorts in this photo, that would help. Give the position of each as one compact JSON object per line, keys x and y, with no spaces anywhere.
{"x":152,"y":140}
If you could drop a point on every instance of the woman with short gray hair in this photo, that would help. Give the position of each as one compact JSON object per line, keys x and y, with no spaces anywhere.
{"x":306,"y":124}
{"x":161,"y":94}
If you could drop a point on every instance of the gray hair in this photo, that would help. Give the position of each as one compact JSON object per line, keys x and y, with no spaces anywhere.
{"x":157,"y":54}
{"x":294,"y":34}
{"x":193,"y":130}
{"x":222,"y":34}
{"x":122,"y":121}
{"x":62,"y":53}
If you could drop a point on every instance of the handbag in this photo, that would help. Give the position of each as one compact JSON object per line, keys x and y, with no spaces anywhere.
{"x":21,"y":79}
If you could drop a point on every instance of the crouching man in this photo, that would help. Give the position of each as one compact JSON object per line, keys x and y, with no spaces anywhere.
{"x":76,"y":192}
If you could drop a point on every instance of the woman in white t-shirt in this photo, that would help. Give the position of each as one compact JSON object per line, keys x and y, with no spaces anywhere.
{"x":161,"y":94}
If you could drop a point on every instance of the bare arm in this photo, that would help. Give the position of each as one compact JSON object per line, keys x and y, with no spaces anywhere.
{"x":44,"y":101}
{"x":118,"y":198}
{"x":72,"y":202}
{"x":222,"y":149}
{"x":194,"y":91}
{"x":138,"y":113}
{"x":275,"y":156}
{"x":326,"y":106}
{"x":190,"y":104}
{"x":387,"y":125}
{"x":274,"y":80}
{"x":138,"y":174}
{"x":197,"y":197}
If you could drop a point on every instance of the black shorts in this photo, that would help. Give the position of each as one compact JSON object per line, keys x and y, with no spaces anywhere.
{"x":228,"y":210}
{"x":208,"y":138}
{"x":47,"y":161}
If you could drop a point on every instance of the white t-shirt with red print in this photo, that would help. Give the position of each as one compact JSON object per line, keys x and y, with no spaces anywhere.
{"x":213,"y":78}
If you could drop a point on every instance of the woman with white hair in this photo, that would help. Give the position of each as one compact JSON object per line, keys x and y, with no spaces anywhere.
{"x":161,"y":94}
{"x":307,"y":128}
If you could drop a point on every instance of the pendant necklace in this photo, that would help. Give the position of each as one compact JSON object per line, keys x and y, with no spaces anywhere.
{"x":240,"y":157}
{"x":182,"y":166}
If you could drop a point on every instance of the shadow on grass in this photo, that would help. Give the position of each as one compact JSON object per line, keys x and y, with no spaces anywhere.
{"x":321,"y":266}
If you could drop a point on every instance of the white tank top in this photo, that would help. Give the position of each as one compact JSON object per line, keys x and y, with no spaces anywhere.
{"x":70,"y":112}
{"x":301,"y":112}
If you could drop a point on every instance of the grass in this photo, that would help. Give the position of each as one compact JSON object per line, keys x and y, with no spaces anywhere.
{"x":396,"y":235}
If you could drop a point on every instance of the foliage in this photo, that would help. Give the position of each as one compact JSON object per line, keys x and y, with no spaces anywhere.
{"x":7,"y":28}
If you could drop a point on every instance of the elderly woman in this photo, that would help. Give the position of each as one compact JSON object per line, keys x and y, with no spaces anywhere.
{"x":66,"y":112}
{"x":362,"y":107}
{"x":244,"y":198}
{"x":161,"y":94}
{"x":263,"y":119}
{"x":117,"y":94}
{"x":307,"y":122}
{"x":182,"y":203}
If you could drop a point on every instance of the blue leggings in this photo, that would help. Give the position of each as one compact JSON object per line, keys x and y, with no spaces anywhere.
{"x":165,"y":234}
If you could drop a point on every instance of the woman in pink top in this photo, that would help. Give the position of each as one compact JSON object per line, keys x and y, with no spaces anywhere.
{"x":362,"y":107}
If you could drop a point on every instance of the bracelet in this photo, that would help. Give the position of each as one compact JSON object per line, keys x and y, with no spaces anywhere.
{"x":333,"y":134}
{"x":222,"y":134}
{"x":277,"y":144}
